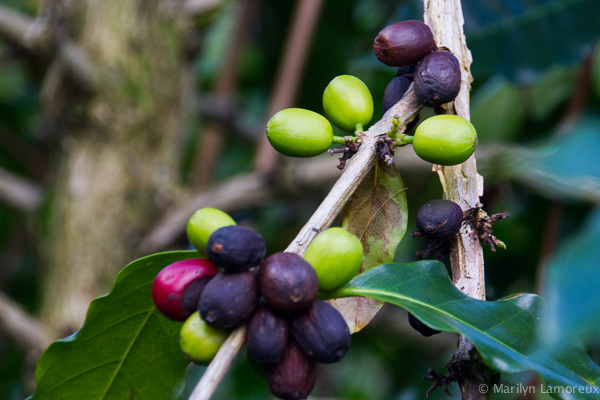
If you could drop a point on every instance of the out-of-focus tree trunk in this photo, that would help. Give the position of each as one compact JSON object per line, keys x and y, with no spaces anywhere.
{"x":119,"y":148}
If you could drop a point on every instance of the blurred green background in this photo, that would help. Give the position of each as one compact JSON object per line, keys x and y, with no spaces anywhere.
{"x":535,"y":104}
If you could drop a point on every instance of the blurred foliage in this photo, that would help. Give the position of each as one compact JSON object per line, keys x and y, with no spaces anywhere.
{"x":527,"y":60}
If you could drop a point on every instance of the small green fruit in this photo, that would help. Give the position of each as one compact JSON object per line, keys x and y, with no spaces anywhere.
{"x":203,"y":223}
{"x":445,"y":140}
{"x":200,"y":342}
{"x":296,"y":132}
{"x":336,"y":255}
{"x":348,"y":102}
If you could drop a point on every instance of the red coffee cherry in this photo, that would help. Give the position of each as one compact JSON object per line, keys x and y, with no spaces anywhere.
{"x":175,"y":287}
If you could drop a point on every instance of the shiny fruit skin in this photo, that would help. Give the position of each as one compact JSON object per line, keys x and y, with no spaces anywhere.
{"x":267,"y":335}
{"x":321,"y":332}
{"x":294,"y":377}
{"x":287,"y":282}
{"x":297,"y":132}
{"x":336,"y":255}
{"x":445,"y":140}
{"x":347,"y":101}
{"x":236,"y":248}
{"x":439,"y":219}
{"x":437,"y":78}
{"x":200,"y":342}
{"x":171,"y":282}
{"x":403,"y":43}
{"x":395,"y":91}
{"x":229,"y":300}
{"x":203,"y":223}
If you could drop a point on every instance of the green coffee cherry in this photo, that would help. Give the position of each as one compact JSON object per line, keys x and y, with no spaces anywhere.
{"x":296,"y":132}
{"x":200,"y":342}
{"x":203,"y":223}
{"x":445,"y":140}
{"x":336,"y":255}
{"x":348,"y":102}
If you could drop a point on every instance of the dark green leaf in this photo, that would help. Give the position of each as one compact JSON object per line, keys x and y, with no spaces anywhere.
{"x":377,"y":213}
{"x":505,"y":332}
{"x":521,"y":38}
{"x":571,"y":287}
{"x":125,"y":349}
{"x":497,"y":111}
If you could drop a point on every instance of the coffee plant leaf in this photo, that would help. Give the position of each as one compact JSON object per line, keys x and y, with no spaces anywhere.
{"x":505,"y":332}
{"x":377,"y":213}
{"x":126,"y":347}
{"x":571,"y":287}
{"x":520,"y":39}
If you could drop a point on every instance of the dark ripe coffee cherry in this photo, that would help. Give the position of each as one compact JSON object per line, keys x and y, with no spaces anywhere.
{"x":287,"y":282}
{"x":420,"y":327}
{"x":403,"y":43}
{"x":439,"y":219}
{"x":394,"y":91}
{"x":294,"y":377}
{"x":229,"y":300}
{"x":200,"y":342}
{"x":177,"y":287}
{"x":437,"y":78}
{"x":267,"y":335}
{"x":406,"y":71}
{"x":236,"y":248}
{"x":321,"y":332}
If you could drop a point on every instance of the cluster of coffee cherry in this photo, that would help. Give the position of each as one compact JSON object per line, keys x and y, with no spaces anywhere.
{"x":289,"y":330}
{"x":347,"y":102}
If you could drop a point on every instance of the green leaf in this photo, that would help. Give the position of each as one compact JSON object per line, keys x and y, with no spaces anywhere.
{"x":377,"y":213}
{"x":126,"y":347}
{"x":521,"y":38}
{"x":505,"y":332}
{"x":497,"y":111}
{"x":571,"y":287}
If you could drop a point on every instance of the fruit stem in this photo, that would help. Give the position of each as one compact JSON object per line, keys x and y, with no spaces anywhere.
{"x":403,"y":140}
{"x":339,"y":139}
{"x":359,"y":128}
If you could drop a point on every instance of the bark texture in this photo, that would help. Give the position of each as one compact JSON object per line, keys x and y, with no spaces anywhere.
{"x":118,"y":151}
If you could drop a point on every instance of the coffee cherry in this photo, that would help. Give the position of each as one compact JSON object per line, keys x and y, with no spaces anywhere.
{"x":267,"y":335}
{"x":321,"y":332}
{"x":395,"y":91}
{"x":294,"y":377}
{"x":229,"y":300}
{"x":439,"y":219}
{"x":296,"y":132}
{"x":347,"y":102}
{"x":437,"y":79}
{"x":198,"y":341}
{"x":287,"y":282}
{"x":403,"y":43}
{"x":420,"y":327}
{"x":203,"y":223}
{"x":445,"y":140}
{"x":236,"y":248}
{"x":176,"y":289}
{"x":336,"y":255}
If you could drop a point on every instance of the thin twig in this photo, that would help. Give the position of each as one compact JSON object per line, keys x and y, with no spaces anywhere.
{"x":25,"y":330}
{"x":18,"y":192}
{"x":289,"y":73}
{"x":28,"y":33}
{"x":356,"y":170}
{"x":212,"y":138}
